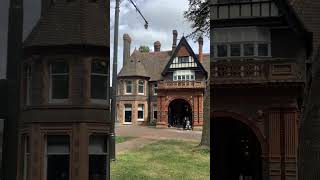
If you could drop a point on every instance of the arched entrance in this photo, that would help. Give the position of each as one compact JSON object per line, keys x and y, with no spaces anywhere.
{"x":237,"y":151}
{"x":180,"y":114}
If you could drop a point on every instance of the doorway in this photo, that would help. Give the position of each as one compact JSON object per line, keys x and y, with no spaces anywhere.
{"x":180,"y":114}
{"x":237,"y":153}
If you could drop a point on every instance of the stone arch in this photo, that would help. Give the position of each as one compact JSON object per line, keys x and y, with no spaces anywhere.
{"x":170,"y":99}
{"x":245,"y":120}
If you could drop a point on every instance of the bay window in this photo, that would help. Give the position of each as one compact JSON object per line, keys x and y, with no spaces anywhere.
{"x":127,"y":114}
{"x":128,"y":87}
{"x":59,"y":82}
{"x":99,"y":79}
{"x":98,"y":157}
{"x":57,"y":157}
{"x":141,"y":112}
{"x":140,"y":87}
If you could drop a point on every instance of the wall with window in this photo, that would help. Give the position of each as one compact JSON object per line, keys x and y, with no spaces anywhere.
{"x":244,"y":42}
{"x":133,"y":112}
{"x":132,"y":86}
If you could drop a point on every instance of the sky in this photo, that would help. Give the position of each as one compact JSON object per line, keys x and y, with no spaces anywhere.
{"x":163,"y":17}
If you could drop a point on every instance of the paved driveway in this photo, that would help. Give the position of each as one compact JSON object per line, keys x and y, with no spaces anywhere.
{"x":146,"y":135}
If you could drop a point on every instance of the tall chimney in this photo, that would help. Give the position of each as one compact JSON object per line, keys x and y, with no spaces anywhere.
{"x":126,"y":48}
{"x":200,"y":56}
{"x":174,"y":43}
{"x":157,"y":46}
{"x":45,"y":5}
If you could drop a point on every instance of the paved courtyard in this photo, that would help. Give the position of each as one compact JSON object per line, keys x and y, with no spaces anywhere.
{"x":146,"y":135}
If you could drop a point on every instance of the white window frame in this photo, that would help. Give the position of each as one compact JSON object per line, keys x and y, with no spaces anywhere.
{"x":51,"y":100}
{"x":124,"y":114}
{"x":98,"y":101}
{"x":126,"y":85}
{"x":242,"y":55}
{"x":155,"y":87}
{"x":140,"y":108}
{"x":180,"y":75}
{"x":139,"y":85}
{"x":154,"y":108}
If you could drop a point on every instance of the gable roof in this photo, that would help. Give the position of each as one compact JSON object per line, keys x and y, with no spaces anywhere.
{"x":183,"y":43}
{"x":308,"y":11}
{"x":78,"y":22}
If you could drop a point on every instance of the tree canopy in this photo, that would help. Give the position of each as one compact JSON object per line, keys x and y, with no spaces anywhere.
{"x":198,"y":14}
{"x":144,"y":48}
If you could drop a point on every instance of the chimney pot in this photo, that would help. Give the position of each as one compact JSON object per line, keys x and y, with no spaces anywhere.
{"x":157,"y":46}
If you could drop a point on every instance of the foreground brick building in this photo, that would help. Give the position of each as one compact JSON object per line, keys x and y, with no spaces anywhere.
{"x":163,"y":87}
{"x":64,"y":127}
{"x":258,"y":75}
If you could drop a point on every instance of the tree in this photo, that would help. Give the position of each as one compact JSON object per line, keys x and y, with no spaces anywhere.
{"x":198,"y":14}
{"x":144,"y":48}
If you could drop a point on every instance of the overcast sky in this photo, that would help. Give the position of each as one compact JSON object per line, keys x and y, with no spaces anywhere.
{"x":163,"y":17}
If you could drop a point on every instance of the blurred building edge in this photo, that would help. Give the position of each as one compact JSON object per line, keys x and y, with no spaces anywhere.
{"x":259,"y":71}
{"x":3,"y":112}
{"x":65,"y":125}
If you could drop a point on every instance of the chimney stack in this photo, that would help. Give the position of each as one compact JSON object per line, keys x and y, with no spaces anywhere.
{"x":157,"y":46}
{"x":126,"y":48}
{"x":174,"y":43}
{"x":45,"y":5}
{"x":200,"y":56}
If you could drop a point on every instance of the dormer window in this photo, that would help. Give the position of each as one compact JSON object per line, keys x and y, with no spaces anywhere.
{"x":59,"y":82}
{"x":184,"y":59}
{"x":99,"y":79}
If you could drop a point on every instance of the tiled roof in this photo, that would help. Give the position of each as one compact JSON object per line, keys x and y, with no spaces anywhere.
{"x":153,"y":63}
{"x":78,"y":22}
{"x":308,"y":12}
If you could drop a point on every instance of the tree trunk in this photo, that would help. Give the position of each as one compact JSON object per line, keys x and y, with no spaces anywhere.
{"x":205,"y":139}
{"x":309,"y":138}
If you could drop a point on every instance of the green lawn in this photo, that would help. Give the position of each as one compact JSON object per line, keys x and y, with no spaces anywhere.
{"x":121,"y":139}
{"x":163,"y":160}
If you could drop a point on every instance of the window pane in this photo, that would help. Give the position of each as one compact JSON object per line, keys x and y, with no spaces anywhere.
{"x":127,"y":113}
{"x":263,"y":49}
{"x":222,"y":50}
{"x":184,"y":59}
{"x":97,"y":167}
{"x":248,"y":49}
{"x":128,"y":86}
{"x":59,"y":67}
{"x":58,"y":144}
{"x":98,"y":87}
{"x":235,"y":49}
{"x":99,"y":66}
{"x":60,"y":86}
{"x":98,"y":144}
{"x":141,"y":87}
{"x":140,"y":111}
{"x":58,"y":167}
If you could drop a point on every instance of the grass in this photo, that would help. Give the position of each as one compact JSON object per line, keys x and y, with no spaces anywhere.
{"x":121,"y":139}
{"x":163,"y":160}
